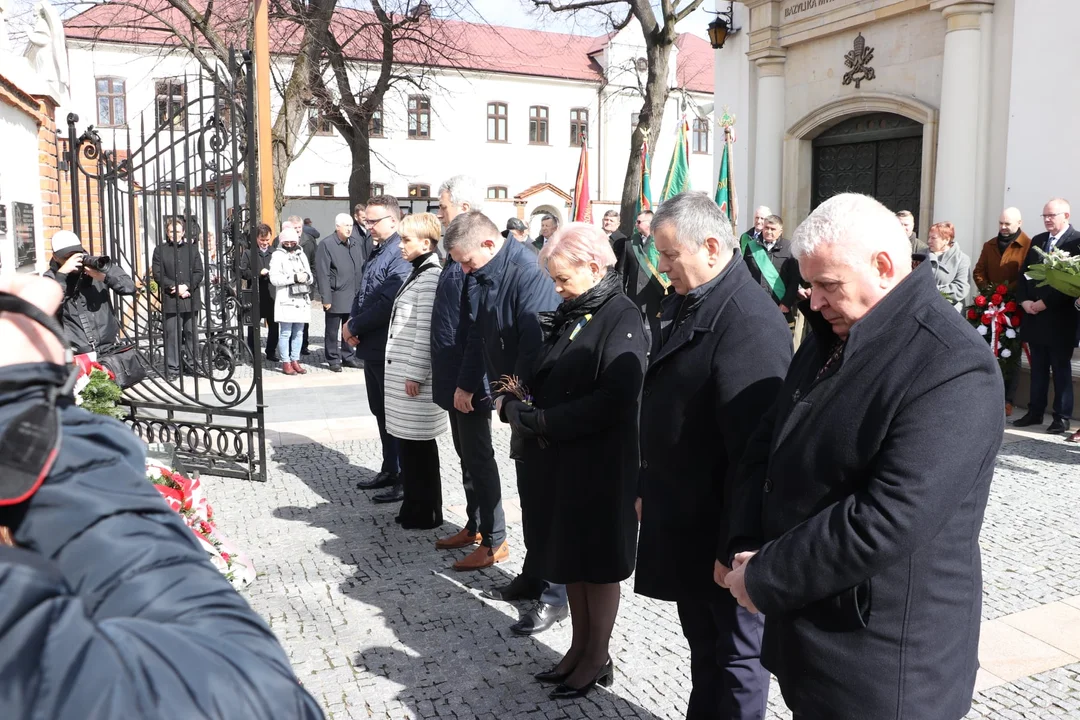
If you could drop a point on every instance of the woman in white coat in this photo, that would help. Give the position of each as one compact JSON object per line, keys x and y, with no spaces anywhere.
{"x":290,"y":281}
{"x":411,"y":415}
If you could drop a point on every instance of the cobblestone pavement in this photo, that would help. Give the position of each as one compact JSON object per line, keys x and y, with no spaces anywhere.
{"x":377,"y":626}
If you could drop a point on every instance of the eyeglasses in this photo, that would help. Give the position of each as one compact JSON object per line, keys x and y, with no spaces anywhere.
{"x":373,"y":223}
{"x":1047,"y":216}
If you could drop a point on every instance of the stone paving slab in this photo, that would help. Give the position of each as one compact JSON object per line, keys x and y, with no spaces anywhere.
{"x":377,"y":626}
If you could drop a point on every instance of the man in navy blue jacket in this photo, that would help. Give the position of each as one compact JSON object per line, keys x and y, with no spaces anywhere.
{"x":385,"y":271}
{"x":513,"y":290}
{"x":460,"y":386}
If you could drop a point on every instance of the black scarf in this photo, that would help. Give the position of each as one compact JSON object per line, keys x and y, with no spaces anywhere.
{"x":1005,"y":241}
{"x":570,"y":311}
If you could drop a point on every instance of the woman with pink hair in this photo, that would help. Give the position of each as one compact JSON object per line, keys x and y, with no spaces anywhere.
{"x":579,"y":455}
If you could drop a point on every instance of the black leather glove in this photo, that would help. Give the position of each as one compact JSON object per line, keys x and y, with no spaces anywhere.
{"x":521,"y":417}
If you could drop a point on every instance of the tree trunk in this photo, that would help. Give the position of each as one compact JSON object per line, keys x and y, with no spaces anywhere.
{"x":649,"y":124}
{"x":360,"y":177}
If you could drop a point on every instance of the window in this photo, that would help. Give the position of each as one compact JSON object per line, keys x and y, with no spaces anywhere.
{"x":701,"y":135}
{"x":419,"y":191}
{"x":497,"y":192}
{"x":319,"y":124}
{"x":377,"y":189}
{"x":579,"y":126}
{"x":538,"y":125}
{"x":375,"y":122}
{"x":171,"y":102}
{"x":419,"y":116}
{"x":496,"y":127}
{"x":322,"y":189}
{"x":111,"y":110}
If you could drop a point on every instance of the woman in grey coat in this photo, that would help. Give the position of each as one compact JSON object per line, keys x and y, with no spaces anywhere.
{"x":411,"y":414}
{"x":952,"y":268}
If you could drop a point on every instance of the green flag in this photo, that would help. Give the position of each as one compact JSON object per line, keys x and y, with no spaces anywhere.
{"x":725,"y":184}
{"x":678,"y":174}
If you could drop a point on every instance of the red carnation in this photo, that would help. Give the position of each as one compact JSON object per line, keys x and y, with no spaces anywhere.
{"x":1001,"y":289}
{"x":980,"y":301}
{"x":996,"y":299}
{"x":225,"y":557}
{"x":972,"y":314}
{"x":987,"y":319}
{"x":1010,"y":306}
{"x":1016,"y":319}
{"x":205,"y":527}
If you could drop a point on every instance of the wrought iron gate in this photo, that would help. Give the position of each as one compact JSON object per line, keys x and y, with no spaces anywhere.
{"x":188,"y":162}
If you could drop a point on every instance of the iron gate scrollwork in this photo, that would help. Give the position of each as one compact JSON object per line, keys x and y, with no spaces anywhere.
{"x":188,"y":162}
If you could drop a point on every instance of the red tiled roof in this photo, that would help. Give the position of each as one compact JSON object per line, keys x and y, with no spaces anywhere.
{"x":465,"y":46}
{"x":533,"y":189}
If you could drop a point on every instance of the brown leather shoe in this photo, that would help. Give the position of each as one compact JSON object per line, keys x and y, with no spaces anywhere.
{"x":287,"y":368}
{"x":1008,"y":409}
{"x":299,"y":370}
{"x":483,"y":557}
{"x":1074,"y":438}
{"x":462,"y":538}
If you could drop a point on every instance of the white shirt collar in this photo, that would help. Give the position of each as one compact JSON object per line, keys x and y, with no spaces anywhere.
{"x":1064,"y":230}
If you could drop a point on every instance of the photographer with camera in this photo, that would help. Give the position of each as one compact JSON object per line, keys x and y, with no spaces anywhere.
{"x":111,"y":608}
{"x":87,"y":314}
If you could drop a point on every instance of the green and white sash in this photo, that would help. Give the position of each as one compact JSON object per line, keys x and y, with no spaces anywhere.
{"x":764,"y":263}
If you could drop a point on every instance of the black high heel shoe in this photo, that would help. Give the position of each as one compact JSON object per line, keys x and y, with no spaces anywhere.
{"x":605,"y":678}
{"x":550,"y":677}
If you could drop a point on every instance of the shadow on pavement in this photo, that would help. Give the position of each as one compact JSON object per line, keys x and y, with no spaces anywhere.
{"x":451,"y":652}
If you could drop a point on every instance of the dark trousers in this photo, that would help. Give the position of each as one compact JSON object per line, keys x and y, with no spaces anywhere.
{"x":179,"y":327}
{"x":1011,"y":380}
{"x":304,"y":347}
{"x":729,"y":682}
{"x":267,"y":310}
{"x":548,"y":592}
{"x":1044,"y":359}
{"x":480,"y":475}
{"x":374,"y":381}
{"x":422,"y":505}
{"x":337,"y":350}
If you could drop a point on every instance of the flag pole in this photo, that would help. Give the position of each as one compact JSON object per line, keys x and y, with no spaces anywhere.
{"x":265,"y":190}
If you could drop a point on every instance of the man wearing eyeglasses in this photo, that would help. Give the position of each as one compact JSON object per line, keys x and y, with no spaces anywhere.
{"x":1049,"y":326}
{"x":385,"y":271}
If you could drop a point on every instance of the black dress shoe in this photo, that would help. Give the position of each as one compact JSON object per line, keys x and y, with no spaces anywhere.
{"x":605,"y":677}
{"x":540,"y":618}
{"x":428,"y":524}
{"x":304,"y":352}
{"x":1028,"y":420}
{"x":272,"y":358}
{"x":1058,"y":426}
{"x":550,"y":677}
{"x":394,"y":494}
{"x":335,"y":368}
{"x":516,"y":589}
{"x":353,"y":363}
{"x":382,"y":480}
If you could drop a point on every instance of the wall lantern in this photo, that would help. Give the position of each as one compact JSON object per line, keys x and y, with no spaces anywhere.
{"x":722,"y":27}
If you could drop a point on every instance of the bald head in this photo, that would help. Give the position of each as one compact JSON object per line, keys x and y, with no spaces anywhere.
{"x":1009,"y":222}
{"x":1056,"y":216}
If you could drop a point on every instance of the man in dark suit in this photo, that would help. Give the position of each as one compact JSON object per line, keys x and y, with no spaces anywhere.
{"x":855,"y":529}
{"x":260,"y":276}
{"x":754,"y":233}
{"x":610,"y":224}
{"x":513,"y":290}
{"x":338,"y":268}
{"x":385,"y":271}
{"x":360,"y":234}
{"x":1049,"y":326}
{"x":772,"y":266}
{"x":642,"y":280}
{"x":722,"y":357}
{"x":548,"y":225}
{"x":177,"y":268}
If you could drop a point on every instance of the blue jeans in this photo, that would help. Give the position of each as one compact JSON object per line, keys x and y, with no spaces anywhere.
{"x":290,"y":339}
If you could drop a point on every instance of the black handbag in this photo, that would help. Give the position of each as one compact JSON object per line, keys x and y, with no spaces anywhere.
{"x":123,"y":361}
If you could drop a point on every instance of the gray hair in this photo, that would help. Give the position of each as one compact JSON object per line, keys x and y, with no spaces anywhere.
{"x":552,"y":218}
{"x":1061,"y":202}
{"x":297,"y":221}
{"x":611,"y":213}
{"x":774,"y":220}
{"x":763,"y":211}
{"x":468,"y":230}
{"x":858,"y":224}
{"x":343,"y":219}
{"x":463,"y":189}
{"x":694,"y":216}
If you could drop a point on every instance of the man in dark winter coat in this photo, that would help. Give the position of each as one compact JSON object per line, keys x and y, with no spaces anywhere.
{"x":772,"y":265}
{"x":111,"y":608}
{"x":856,"y":530}
{"x":360,"y":234}
{"x":87,"y":312}
{"x":177,"y":267}
{"x":266,"y":246}
{"x":642,"y":280}
{"x":459,"y":385}
{"x":513,"y":289}
{"x":1049,"y":326}
{"x":339,"y":266}
{"x":385,"y":271}
{"x":722,"y":355}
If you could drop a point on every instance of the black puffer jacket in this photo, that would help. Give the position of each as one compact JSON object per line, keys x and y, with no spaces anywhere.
{"x":87,"y":314}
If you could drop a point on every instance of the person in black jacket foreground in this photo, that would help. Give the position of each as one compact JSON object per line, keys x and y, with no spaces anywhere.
{"x":722,"y":354}
{"x":111,"y":609}
{"x":856,"y":531}
{"x":86,"y":313}
{"x":580,"y":445}
{"x":513,"y":291}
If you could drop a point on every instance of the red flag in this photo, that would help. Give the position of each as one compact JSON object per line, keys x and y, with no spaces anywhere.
{"x":582,"y":210}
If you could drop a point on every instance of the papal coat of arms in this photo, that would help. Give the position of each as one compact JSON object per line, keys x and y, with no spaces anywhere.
{"x":858,"y":59}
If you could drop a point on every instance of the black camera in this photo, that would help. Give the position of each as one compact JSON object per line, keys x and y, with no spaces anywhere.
{"x":97,"y":262}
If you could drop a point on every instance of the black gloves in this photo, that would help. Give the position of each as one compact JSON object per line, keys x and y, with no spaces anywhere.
{"x":526,"y":419}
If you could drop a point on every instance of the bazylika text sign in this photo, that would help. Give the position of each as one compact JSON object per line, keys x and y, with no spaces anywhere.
{"x":802,"y":9}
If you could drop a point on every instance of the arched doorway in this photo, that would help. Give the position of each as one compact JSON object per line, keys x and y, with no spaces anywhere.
{"x":878,"y":154}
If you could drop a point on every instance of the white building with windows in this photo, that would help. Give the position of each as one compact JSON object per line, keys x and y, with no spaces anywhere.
{"x":511,"y":113}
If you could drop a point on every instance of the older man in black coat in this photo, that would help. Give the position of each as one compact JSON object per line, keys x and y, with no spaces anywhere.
{"x":865,"y":522}
{"x":722,"y":356}
{"x":177,"y":268}
{"x":339,"y":264}
{"x":1049,"y":326}
{"x":513,"y":290}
